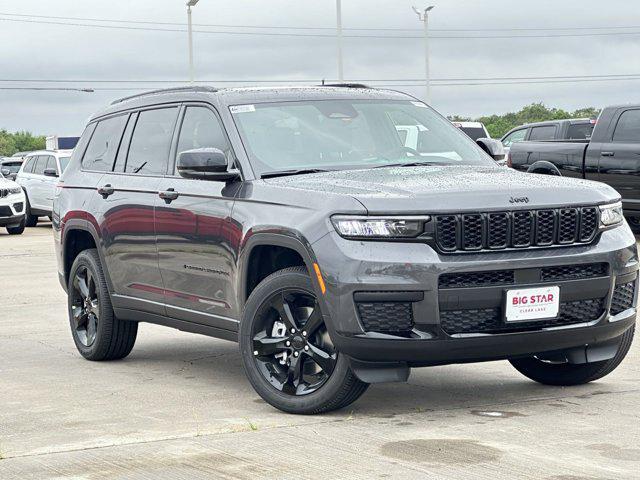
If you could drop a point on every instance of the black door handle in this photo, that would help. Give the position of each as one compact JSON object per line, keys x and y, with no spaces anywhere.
{"x":168,"y":195}
{"x":607,"y":154}
{"x":106,"y":190}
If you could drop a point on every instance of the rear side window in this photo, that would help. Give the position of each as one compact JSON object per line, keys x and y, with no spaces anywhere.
{"x":51,"y":163}
{"x":151,"y":141}
{"x":580,"y":131}
{"x":201,"y":129}
{"x":628,"y":128}
{"x":28,"y":164}
{"x":543,"y":133}
{"x":102,"y":148}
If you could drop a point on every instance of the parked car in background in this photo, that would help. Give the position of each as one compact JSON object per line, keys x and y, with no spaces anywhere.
{"x":12,"y":205}
{"x":38,"y":177}
{"x":298,"y":222}
{"x":611,"y":155}
{"x":10,"y":166}
{"x":572,"y":129}
{"x":475,"y":130}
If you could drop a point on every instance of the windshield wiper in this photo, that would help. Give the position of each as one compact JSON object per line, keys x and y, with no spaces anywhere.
{"x":287,"y":173}
{"x":410,"y":164}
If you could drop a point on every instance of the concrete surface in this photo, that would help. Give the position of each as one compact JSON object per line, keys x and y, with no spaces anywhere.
{"x":180,"y":407}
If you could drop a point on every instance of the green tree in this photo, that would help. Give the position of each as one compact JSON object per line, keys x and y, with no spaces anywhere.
{"x":23,"y":141}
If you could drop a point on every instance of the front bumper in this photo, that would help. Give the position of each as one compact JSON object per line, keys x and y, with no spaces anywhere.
{"x":12,"y":210}
{"x":412,"y":272}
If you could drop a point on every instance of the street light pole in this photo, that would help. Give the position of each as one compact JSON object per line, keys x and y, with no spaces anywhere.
{"x":424,"y":17}
{"x":190,"y":3}
{"x":339,"y":33}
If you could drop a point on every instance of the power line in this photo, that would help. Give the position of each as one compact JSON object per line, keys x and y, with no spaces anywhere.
{"x":287,"y":27}
{"x":320,"y":35}
{"x":621,"y":76}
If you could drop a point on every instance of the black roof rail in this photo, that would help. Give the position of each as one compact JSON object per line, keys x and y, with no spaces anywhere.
{"x":345,"y":85}
{"x":167,"y":90}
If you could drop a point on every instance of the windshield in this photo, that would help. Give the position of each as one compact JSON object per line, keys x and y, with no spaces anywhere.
{"x":12,"y":167}
{"x":345,"y":134}
{"x":64,"y":161}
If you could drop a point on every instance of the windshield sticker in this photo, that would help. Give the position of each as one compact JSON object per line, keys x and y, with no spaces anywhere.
{"x":242,"y":108}
{"x":420,"y":104}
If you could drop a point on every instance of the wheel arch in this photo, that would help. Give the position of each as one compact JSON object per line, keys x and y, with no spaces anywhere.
{"x":544,"y":167}
{"x":80,"y":235}
{"x":257,"y":244}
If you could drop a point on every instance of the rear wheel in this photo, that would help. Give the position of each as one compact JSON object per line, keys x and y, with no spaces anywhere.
{"x":634,"y":223}
{"x":96,"y":331}
{"x":29,"y":219}
{"x":566,"y":374}
{"x":286,"y":349}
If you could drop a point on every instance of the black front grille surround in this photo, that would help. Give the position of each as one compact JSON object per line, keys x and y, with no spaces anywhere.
{"x":470,"y":232}
{"x":489,"y":320}
{"x":622,"y":298}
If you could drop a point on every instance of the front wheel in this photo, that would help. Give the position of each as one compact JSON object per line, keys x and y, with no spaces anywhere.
{"x":286,"y":349}
{"x":29,"y":219}
{"x":17,"y":230}
{"x":567,"y":374}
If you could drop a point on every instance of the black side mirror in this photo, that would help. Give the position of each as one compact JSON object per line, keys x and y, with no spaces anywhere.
{"x":205,"y":164}
{"x":494,"y":148}
{"x":50,"y":172}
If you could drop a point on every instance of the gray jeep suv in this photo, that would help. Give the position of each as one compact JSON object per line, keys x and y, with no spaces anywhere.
{"x":303,"y":224}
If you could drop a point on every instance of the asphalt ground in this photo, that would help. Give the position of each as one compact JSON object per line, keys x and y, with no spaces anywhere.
{"x":179,"y":407}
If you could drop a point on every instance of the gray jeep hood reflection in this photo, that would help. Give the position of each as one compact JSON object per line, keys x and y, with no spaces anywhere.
{"x":451,"y":188}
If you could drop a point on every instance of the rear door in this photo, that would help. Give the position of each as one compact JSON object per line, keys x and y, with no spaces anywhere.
{"x":130,"y":192}
{"x":619,"y":164}
{"x":196,"y":261}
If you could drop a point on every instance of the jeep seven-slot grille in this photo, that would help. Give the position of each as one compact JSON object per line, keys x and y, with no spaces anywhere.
{"x":516,"y":229}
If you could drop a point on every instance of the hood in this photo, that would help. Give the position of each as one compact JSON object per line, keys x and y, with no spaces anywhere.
{"x":456,"y":188}
{"x":6,"y":183}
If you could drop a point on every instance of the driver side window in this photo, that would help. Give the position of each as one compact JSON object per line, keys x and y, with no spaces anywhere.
{"x":202,"y":129}
{"x":514,"y":137}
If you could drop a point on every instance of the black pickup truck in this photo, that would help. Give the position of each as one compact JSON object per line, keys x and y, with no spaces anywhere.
{"x":612,"y":156}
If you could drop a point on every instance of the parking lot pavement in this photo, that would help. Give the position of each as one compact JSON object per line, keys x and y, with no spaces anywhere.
{"x":180,"y":407}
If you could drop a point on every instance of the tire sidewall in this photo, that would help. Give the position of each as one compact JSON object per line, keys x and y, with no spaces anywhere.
{"x":90,"y":260}
{"x":279,"y":281}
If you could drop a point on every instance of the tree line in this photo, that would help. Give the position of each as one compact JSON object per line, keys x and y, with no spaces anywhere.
{"x":498,"y":125}
{"x":11,"y":143}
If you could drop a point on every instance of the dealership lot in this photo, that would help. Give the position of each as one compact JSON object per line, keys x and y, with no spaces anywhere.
{"x":180,"y":407}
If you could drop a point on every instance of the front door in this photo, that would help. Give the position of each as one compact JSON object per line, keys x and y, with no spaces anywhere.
{"x":196,"y":264}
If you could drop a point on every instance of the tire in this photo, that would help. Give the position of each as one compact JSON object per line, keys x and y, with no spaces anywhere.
{"x":29,"y":220}
{"x":566,"y":374}
{"x":634,"y":224}
{"x":16,"y":230}
{"x":325,"y":389}
{"x":96,"y":331}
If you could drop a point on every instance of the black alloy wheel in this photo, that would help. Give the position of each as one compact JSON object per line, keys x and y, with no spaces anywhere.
{"x":291,"y":345}
{"x":85,"y":306}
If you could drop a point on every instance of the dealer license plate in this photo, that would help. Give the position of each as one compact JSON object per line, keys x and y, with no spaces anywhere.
{"x":532,"y":304}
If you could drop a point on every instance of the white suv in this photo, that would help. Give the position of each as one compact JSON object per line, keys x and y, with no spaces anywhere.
{"x":12,"y":205}
{"x":39,"y":177}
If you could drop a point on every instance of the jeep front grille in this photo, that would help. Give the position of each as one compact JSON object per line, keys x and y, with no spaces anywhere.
{"x":516,"y":229}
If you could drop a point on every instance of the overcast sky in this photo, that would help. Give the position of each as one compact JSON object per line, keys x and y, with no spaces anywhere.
{"x":45,"y":51}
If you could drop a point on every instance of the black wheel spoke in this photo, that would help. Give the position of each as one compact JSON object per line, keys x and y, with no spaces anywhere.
{"x":79,"y":316}
{"x":91,"y":328}
{"x":268,"y":345}
{"x":284,"y":310}
{"x":294,"y":376}
{"x":85,"y":307}
{"x":325,"y":361}
{"x":81,"y":284}
{"x":314,"y":321}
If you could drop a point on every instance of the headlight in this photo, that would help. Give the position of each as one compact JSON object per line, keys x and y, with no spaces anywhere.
{"x":611,"y":215}
{"x":379,"y":227}
{"x":15,"y":190}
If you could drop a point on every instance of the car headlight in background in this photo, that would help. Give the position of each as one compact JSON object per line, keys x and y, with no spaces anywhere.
{"x":611,"y":215}
{"x":15,"y":190}
{"x":379,"y":227}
